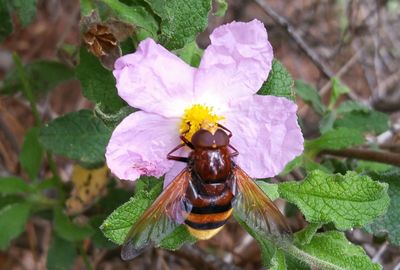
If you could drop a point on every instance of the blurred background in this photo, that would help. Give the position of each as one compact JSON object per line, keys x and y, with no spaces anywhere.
{"x":357,"y":41}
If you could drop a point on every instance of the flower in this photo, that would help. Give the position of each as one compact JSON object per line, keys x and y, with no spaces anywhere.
{"x":169,"y":93}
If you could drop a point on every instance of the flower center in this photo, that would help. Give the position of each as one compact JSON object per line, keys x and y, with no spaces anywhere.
{"x":196,"y":117}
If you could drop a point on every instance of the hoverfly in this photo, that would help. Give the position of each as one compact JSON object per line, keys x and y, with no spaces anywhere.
{"x":204,"y":194}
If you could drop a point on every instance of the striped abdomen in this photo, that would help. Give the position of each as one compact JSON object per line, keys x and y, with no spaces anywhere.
{"x":211,"y":209}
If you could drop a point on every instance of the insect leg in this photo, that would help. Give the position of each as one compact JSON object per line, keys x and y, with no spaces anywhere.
{"x":235,"y":151}
{"x":224,"y":128}
{"x":171,"y":157}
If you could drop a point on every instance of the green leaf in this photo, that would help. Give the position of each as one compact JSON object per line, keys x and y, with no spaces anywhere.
{"x":373,"y":121}
{"x":270,"y":189}
{"x":351,"y":106}
{"x":135,"y":15}
{"x":118,"y":224}
{"x":86,"y":7}
{"x":347,"y":200}
{"x":363,"y":165}
{"x":43,"y":75}
{"x":389,"y":223}
{"x":191,"y":54}
{"x":338,"y":89}
{"x":12,"y":222}
{"x":327,"y":121}
{"x":177,"y":238}
{"x":98,"y":238}
{"x":62,"y":254}
{"x":295,"y":163}
{"x":32,"y":153}
{"x":221,"y":9}
{"x":279,"y":261}
{"x":279,"y":82}
{"x":78,"y":135}
{"x":13,"y":185}
{"x":181,"y":20}
{"x":6,"y":26}
{"x":305,"y":235}
{"x":68,"y":230}
{"x":6,"y":199}
{"x":335,"y":139}
{"x":310,"y":96}
{"x":333,"y":247}
{"x":98,"y":84}
{"x":25,"y":10}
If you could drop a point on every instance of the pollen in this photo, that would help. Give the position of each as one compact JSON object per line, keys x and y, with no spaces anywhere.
{"x":196,"y":117}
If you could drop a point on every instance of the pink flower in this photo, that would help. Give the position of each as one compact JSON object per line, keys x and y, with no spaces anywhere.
{"x":169,"y":92}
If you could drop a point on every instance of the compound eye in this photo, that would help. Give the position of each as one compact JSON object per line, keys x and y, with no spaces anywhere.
{"x":221,"y":138}
{"x":203,"y":138}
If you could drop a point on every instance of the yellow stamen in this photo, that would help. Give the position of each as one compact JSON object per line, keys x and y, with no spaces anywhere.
{"x":196,"y":117}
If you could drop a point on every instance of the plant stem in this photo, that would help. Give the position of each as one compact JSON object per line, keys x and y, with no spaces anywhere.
{"x":27,"y":90}
{"x":309,"y":259}
{"x":85,"y":258}
{"x":366,"y":154}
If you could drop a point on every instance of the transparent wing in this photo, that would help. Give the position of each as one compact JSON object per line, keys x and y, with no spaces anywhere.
{"x":254,"y":207}
{"x":167,"y":212}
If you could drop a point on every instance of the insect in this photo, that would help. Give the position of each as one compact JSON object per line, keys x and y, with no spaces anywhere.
{"x":204,"y":194}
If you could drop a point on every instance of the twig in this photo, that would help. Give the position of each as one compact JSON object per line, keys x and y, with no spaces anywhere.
{"x":297,"y":38}
{"x":326,"y":71}
{"x":366,"y":154}
{"x":203,"y":260}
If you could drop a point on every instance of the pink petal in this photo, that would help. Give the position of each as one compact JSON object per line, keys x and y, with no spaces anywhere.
{"x":265,"y":132}
{"x":235,"y":64}
{"x":155,"y":80}
{"x":139,"y":145}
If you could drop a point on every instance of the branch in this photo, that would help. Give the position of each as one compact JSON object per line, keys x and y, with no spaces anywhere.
{"x":366,"y":154}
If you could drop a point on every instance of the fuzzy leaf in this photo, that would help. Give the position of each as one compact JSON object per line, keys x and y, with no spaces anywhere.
{"x":98,"y":84}
{"x":270,"y":189}
{"x":389,"y":223}
{"x":68,"y":230}
{"x":335,"y":139}
{"x":177,"y":238}
{"x":25,"y":10}
{"x":278,"y":261}
{"x":12,"y":222}
{"x":191,"y":54}
{"x":338,"y":89}
{"x":13,"y":185}
{"x":43,"y":75}
{"x":32,"y":153}
{"x":305,"y":235}
{"x":135,"y":15}
{"x":79,"y":136}
{"x":181,"y":20}
{"x":61,"y":254}
{"x":221,"y":9}
{"x":347,"y":200}
{"x":333,"y":247}
{"x":310,"y":96}
{"x":373,"y":121}
{"x":279,"y":82}
{"x":6,"y":26}
{"x":118,"y":224}
{"x":351,"y":106}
